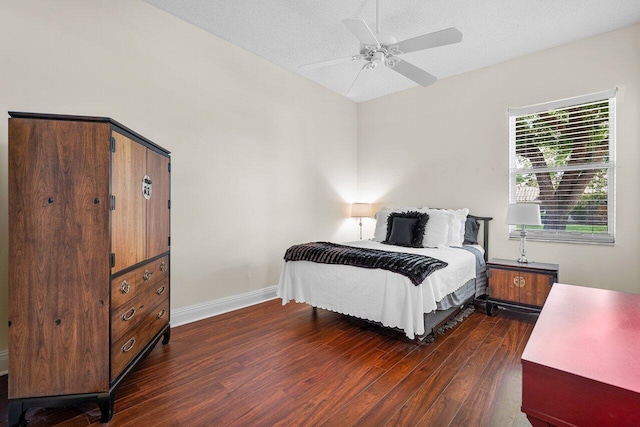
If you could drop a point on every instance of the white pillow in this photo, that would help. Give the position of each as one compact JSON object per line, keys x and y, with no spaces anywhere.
{"x":381,"y":225}
{"x":438,"y":228}
{"x":380,"y":233}
{"x":456,"y":234}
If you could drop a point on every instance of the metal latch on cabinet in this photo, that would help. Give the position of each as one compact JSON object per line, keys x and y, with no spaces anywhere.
{"x":146,"y":187}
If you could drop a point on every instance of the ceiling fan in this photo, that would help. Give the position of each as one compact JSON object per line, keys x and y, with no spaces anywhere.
{"x":378,"y":49}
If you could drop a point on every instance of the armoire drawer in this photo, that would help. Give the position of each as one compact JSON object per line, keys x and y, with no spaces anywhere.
{"x":127,"y":286}
{"x":130,"y":345}
{"x":129,"y":315}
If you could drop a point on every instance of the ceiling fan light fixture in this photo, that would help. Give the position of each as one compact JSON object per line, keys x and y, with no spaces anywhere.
{"x":377,"y":58}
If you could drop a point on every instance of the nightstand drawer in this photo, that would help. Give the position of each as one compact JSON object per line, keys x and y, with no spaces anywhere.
{"x":502,"y":284}
{"x":535,"y":287}
{"x":519,"y":286}
{"x":524,"y":285}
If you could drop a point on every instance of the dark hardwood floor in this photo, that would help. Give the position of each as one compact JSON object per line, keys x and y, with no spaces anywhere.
{"x":273,"y":365}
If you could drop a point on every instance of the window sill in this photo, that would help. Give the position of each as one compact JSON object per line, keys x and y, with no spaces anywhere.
{"x":577,"y":238}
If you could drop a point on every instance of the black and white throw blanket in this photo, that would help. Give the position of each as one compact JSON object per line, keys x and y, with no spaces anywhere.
{"x":415,"y":267}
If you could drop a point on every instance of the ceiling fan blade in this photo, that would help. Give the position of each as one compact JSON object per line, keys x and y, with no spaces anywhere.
{"x":357,"y":85}
{"x":330,"y":62}
{"x":412,"y":72}
{"x":427,"y":41}
{"x":361,"y":30}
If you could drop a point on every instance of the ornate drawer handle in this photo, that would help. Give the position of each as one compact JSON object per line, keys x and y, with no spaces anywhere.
{"x":147,"y":275}
{"x":163,"y":266}
{"x":129,"y":314}
{"x":160,"y":290}
{"x":125,"y":288}
{"x":519,"y":282}
{"x":161,"y":313}
{"x":129,"y":345}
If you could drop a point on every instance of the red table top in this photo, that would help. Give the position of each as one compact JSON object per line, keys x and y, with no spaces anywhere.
{"x":592,"y":333}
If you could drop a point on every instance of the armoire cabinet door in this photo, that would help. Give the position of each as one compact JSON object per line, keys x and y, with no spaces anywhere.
{"x":158,"y":204}
{"x":128,"y":219}
{"x":58,"y":259}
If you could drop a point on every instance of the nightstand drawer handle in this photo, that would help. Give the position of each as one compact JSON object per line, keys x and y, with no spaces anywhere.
{"x":161,"y":313}
{"x":147,"y":275}
{"x":163,"y":266}
{"x":519,"y":282}
{"x":160,"y":290}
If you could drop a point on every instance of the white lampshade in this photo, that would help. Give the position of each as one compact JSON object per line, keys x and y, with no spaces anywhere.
{"x":523,"y":214}
{"x":360,"y":209}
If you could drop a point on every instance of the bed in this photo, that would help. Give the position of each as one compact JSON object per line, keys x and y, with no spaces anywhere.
{"x":389,"y":298}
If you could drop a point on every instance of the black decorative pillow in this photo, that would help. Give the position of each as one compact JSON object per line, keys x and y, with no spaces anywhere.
{"x":406,"y":228}
{"x":471,"y":228}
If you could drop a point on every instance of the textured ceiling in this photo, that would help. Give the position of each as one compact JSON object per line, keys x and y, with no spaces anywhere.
{"x":291,"y":33}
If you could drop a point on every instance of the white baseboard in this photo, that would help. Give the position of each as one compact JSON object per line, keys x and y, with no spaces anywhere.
{"x":182,"y":316}
{"x":4,"y":362}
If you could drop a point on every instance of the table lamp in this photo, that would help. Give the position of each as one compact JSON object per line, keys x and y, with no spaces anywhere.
{"x":360,"y":210}
{"x":523,"y":214}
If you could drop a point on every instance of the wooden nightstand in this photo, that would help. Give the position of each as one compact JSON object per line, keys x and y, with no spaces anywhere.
{"x":514,"y":284}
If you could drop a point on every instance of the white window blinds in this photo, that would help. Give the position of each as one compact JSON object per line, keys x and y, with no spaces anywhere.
{"x":561,"y":156}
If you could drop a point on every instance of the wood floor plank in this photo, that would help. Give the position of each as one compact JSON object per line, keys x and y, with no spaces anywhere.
{"x":445,"y":407}
{"x":481,"y":407}
{"x":434,"y":386}
{"x":291,"y":365}
{"x":355,"y":408}
{"x":430,"y":371}
{"x":341,"y":379}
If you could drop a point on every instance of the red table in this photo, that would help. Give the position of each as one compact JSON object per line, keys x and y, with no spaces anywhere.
{"x":581,"y":365}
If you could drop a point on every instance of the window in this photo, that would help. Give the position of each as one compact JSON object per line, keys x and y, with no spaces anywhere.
{"x":562,"y":157}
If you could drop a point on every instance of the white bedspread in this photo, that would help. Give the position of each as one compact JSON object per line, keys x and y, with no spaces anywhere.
{"x":375,"y":294}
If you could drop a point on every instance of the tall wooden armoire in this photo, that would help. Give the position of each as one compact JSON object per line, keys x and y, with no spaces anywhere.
{"x":89,"y":236}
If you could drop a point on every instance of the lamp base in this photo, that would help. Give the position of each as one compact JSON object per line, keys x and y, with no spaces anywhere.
{"x":523,"y":250}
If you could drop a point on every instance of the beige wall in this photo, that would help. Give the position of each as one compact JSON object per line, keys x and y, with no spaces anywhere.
{"x":447,"y":146}
{"x":262,"y":158}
